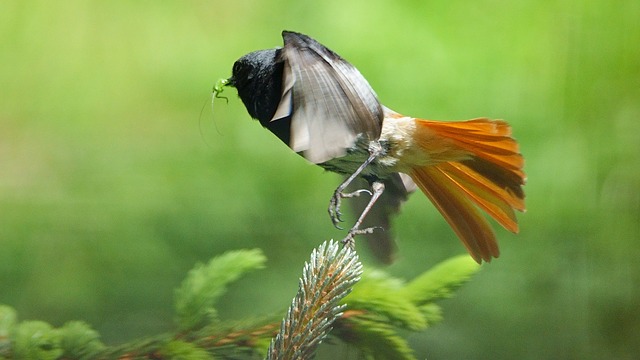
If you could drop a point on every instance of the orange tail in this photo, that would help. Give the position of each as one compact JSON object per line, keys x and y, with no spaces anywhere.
{"x":472,"y":162}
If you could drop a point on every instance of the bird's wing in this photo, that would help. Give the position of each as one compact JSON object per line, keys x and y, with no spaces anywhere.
{"x":330,"y":103}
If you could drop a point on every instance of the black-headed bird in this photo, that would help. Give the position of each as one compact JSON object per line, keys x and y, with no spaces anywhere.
{"x":325,"y":110}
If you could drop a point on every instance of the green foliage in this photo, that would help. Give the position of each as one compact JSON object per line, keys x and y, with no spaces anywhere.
{"x":196,"y":297}
{"x":377,"y":339}
{"x":378,"y":291}
{"x":182,"y":350}
{"x":36,"y":340}
{"x":440,"y":281}
{"x":79,"y":341}
{"x":8,"y":319}
{"x":39,"y":340}
{"x":381,"y":305}
{"x":368,"y":317}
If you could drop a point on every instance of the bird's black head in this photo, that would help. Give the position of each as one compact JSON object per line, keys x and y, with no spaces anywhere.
{"x":258,"y":78}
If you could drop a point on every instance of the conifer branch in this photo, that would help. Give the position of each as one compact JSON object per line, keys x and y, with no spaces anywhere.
{"x":196,"y":297}
{"x":326,"y":279}
{"x":380,"y":309}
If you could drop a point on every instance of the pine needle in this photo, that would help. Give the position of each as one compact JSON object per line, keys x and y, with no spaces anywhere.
{"x":326,"y":279}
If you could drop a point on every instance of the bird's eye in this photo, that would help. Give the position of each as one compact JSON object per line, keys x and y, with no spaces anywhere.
{"x":243,"y":70}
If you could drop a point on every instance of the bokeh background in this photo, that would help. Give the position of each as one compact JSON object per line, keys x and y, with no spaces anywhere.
{"x":116,"y":177}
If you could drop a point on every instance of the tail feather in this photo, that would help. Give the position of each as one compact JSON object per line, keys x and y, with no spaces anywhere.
{"x":487,"y":139}
{"x":468,"y":177}
{"x":467,"y":222}
{"x":484,"y":172}
{"x":482,"y":195}
{"x":503,"y":178}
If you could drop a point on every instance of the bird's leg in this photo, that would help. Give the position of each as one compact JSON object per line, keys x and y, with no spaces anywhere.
{"x":334,"y":205}
{"x":349,"y":240}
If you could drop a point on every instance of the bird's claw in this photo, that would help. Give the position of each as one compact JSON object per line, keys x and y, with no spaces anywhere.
{"x":336,"y":201}
{"x":334,"y":210}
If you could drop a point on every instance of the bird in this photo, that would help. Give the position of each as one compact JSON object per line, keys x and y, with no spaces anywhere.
{"x":323,"y":108}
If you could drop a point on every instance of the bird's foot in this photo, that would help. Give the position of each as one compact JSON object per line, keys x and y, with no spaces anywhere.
{"x":350,"y":241}
{"x":335,"y":202}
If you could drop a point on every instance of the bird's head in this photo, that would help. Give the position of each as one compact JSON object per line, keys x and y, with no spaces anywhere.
{"x":258,"y":78}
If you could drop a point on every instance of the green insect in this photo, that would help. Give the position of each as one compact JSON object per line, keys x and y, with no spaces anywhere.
{"x":218,"y":88}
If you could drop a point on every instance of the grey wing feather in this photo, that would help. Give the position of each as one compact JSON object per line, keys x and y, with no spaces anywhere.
{"x":398,"y":187}
{"x":329,"y":101}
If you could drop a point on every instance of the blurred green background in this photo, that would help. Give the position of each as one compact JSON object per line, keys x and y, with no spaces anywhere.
{"x":113,"y":184}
